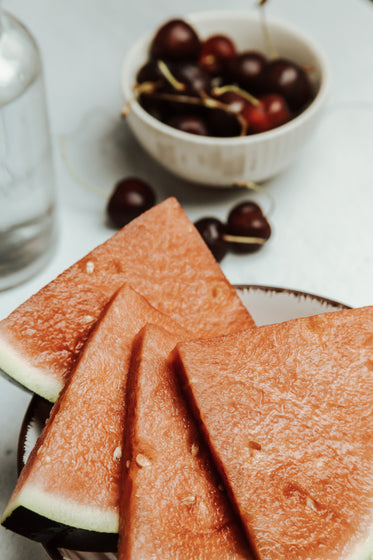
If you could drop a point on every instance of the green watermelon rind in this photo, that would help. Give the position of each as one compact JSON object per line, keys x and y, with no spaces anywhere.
{"x":17,"y":369}
{"x":60,"y":517}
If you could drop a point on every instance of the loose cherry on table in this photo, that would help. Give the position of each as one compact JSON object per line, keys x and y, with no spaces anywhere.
{"x":130,"y":198}
{"x":246,"y":231}
{"x":212,"y":232}
{"x":246,"y":220}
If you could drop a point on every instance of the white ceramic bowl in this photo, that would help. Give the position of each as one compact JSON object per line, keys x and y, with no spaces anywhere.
{"x":225,"y":161}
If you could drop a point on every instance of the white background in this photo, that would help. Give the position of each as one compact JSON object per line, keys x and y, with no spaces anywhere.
{"x":322,"y":206}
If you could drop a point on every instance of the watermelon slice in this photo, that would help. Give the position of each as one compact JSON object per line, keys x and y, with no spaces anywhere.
{"x":161,"y":255}
{"x":171,"y":505}
{"x":68,"y":492}
{"x":287,"y":411}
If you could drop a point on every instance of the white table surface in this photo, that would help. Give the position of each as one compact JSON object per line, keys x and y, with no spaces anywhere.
{"x":322,"y":215}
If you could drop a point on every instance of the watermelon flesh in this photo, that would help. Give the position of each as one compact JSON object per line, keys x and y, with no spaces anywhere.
{"x":161,"y":255}
{"x":171,"y":505}
{"x":287,"y":412}
{"x":68,"y":492}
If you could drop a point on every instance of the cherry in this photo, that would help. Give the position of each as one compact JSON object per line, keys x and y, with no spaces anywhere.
{"x":233,"y":100}
{"x":289,"y":80}
{"x":194,"y":124}
{"x":175,"y":40}
{"x":212,"y":232}
{"x":152,"y":105}
{"x":149,"y":72}
{"x":130,"y":198}
{"x":246,"y":70}
{"x":223,"y":124}
{"x":215,"y":51}
{"x":272,"y":111}
{"x":195,"y":79}
{"x":247,"y":220}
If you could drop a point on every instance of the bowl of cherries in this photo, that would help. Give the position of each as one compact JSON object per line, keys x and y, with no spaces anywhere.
{"x":220,"y":98}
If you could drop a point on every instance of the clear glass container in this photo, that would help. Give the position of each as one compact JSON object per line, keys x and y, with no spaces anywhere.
{"x":27,"y":184}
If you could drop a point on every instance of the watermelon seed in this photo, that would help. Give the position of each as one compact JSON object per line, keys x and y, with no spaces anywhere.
{"x":255,"y":445}
{"x":195,"y":449}
{"x":90,"y":266}
{"x":311,"y":503}
{"x":117,"y":453}
{"x":188,"y":500}
{"x":142,"y":461}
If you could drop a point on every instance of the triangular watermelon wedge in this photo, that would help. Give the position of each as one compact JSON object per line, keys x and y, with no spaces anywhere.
{"x":68,"y":492}
{"x":287,"y":410}
{"x":172,"y":505}
{"x":161,"y":255}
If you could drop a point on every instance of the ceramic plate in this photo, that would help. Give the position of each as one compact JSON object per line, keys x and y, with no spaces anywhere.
{"x":266,"y":304}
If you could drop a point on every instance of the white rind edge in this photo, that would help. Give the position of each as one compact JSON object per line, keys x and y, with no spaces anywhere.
{"x":364,"y":550}
{"x":14,"y":365}
{"x":69,"y":513}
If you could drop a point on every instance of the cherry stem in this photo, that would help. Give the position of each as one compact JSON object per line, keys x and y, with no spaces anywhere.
{"x":244,"y":239}
{"x":204,"y":101}
{"x":126,"y":109}
{"x":257,"y":188}
{"x":249,"y":185}
{"x":220,"y":90}
{"x":175,"y":83}
{"x":146,"y":87}
{"x":272,"y":51}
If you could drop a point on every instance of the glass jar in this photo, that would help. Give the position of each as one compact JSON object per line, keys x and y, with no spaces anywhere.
{"x":27,"y":184}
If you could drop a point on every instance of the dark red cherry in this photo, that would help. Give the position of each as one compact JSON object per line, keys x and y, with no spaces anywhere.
{"x":149,"y":72}
{"x":194,"y":124}
{"x":223,"y":123}
{"x":212,"y":232}
{"x":195,"y":78}
{"x":277,"y":109}
{"x":215,"y":51}
{"x":289,"y":80}
{"x":272,"y":111}
{"x":130,"y":198}
{"x":247,"y":220}
{"x":246,"y":70}
{"x":233,"y":100}
{"x":175,"y":40}
{"x":155,"y":107}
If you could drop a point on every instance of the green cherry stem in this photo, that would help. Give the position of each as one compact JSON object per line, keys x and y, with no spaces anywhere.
{"x":175,"y":83}
{"x":204,"y":101}
{"x":243,"y":93}
{"x":272,"y":51}
{"x":244,"y":239}
{"x":250,"y":185}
